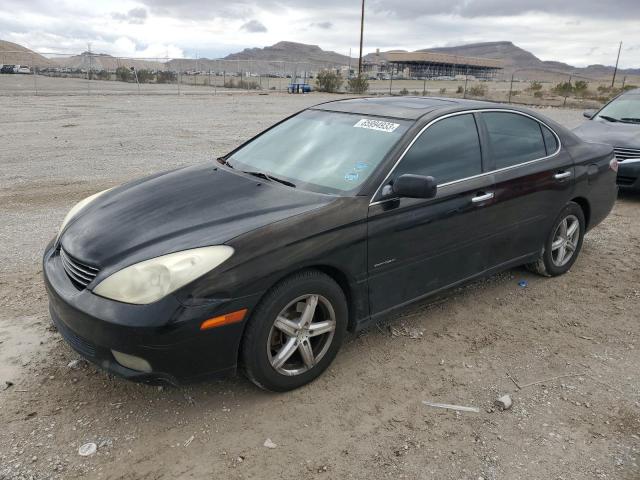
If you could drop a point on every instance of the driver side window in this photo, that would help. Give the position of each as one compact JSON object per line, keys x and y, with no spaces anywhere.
{"x":448,"y":150}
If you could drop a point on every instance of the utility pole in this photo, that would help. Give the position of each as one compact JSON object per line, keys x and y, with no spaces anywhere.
{"x":615,"y":69}
{"x":361,"y":37}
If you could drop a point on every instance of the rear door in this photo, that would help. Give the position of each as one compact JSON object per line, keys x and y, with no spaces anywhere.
{"x":417,"y":246}
{"x":534,"y":179}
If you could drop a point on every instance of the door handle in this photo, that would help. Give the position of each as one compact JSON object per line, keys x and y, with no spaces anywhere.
{"x":562,"y":175}
{"x":482,"y":198}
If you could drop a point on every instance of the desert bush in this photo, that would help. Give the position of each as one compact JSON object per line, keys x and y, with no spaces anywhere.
{"x":404,"y":91}
{"x":443,"y":91}
{"x":123,"y":74}
{"x":358,"y":84}
{"x":166,"y":77}
{"x":329,"y":81}
{"x":145,"y":76}
{"x":629,"y":87}
{"x":537,"y":94}
{"x":102,"y":75}
{"x":417,"y":93}
{"x":243,"y":84}
{"x":460,"y":89}
{"x":479,"y":90}
{"x":563,"y":88}
{"x":534,"y":87}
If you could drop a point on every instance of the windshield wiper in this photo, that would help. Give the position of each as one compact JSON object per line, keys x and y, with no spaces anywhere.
{"x":608,"y":119}
{"x":266,"y":176}
{"x":630,"y":120}
{"x":224,"y":161}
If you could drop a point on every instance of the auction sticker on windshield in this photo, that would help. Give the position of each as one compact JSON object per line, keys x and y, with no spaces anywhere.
{"x":379,"y":125}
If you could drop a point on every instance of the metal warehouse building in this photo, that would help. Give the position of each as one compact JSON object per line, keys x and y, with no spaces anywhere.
{"x":433,"y":65}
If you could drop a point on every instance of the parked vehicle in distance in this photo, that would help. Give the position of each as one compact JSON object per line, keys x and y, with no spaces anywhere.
{"x":22,"y":69}
{"x":618,"y":124}
{"x":7,"y":68}
{"x":327,"y":222}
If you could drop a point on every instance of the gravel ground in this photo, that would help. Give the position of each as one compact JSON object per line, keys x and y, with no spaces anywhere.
{"x":569,"y":342}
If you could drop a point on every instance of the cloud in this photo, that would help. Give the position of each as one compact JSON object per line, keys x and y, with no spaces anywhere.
{"x":135,"y":16}
{"x":322,"y":25}
{"x":254,"y":26}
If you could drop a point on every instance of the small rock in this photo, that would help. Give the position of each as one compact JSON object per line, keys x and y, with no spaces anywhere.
{"x":87,"y":449}
{"x":269,"y":443}
{"x":504,"y":402}
{"x":74,"y":364}
{"x":240,"y":459}
{"x":441,"y":362}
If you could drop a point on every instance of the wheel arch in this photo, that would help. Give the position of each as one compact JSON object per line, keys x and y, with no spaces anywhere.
{"x":586,"y":209}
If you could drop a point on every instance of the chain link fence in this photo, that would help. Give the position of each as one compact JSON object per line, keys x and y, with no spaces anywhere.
{"x":49,"y":73}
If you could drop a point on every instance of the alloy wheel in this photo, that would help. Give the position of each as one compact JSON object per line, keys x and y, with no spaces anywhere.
{"x":565,"y":240}
{"x":301,"y":334}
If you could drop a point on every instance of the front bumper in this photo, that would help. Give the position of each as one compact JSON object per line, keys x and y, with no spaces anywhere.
{"x":629,"y":174}
{"x":166,"y":333}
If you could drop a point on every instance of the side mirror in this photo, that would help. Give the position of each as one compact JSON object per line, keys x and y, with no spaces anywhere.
{"x":415,"y":186}
{"x":589,"y":114}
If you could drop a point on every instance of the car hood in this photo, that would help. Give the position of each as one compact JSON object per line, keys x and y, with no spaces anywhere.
{"x":177,"y":210}
{"x":622,"y":135}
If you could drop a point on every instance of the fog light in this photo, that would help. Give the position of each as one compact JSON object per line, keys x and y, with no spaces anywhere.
{"x":132,"y":362}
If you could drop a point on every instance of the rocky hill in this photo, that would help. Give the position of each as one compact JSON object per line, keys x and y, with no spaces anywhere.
{"x":291,"y":52}
{"x":12,"y":53}
{"x":102,"y":61}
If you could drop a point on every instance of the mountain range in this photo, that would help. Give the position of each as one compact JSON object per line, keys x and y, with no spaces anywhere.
{"x":514,"y":58}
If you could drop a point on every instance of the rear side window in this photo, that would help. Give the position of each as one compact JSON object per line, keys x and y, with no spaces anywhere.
{"x":448,"y":150}
{"x":550,"y":140}
{"x":513,"y":138}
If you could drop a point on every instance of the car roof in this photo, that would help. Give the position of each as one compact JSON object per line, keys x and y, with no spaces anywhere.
{"x":407,"y":108}
{"x":634,"y":91}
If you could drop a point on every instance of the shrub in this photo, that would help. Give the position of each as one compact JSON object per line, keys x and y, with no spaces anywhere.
{"x":534,"y":87}
{"x":537,"y":94}
{"x":580,"y":86}
{"x":103,"y":75}
{"x":404,"y":91}
{"x":145,"y":76}
{"x":563,"y":88}
{"x":329,"y":81}
{"x":417,"y":93}
{"x":123,"y":74}
{"x":443,"y":91}
{"x":166,"y":77}
{"x":460,"y":89}
{"x":358,"y":84}
{"x":243,"y":84}
{"x":479,"y":90}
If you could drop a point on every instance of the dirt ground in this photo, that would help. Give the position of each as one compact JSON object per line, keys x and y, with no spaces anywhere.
{"x":571,"y":343}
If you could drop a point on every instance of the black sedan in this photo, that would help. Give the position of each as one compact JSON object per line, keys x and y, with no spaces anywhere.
{"x":325,"y":223}
{"x":618,"y":124}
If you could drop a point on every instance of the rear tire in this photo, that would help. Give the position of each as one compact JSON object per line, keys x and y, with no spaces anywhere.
{"x":295,"y":332}
{"x":563,"y":245}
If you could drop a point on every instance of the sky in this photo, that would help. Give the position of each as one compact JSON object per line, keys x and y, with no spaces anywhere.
{"x":578,"y":32}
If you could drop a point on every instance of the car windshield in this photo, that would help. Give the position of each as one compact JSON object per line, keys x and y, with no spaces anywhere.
{"x":623,"y":109}
{"x":327,"y":152}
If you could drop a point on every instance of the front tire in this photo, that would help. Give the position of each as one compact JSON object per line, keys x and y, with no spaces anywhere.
{"x":295,"y":332}
{"x":563,"y":244}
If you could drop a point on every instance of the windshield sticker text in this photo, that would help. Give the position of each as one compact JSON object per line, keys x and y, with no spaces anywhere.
{"x":351,"y":177}
{"x":377,"y":125}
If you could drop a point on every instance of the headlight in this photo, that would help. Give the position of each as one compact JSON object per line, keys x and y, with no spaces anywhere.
{"x":151,"y":280}
{"x":77,"y":207}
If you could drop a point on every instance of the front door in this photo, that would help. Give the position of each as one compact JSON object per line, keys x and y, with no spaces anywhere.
{"x":417,"y":246}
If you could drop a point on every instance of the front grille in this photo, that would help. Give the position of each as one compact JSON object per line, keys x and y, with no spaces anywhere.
{"x":626,"y":153}
{"x":79,"y":273}
{"x":625,"y":181}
